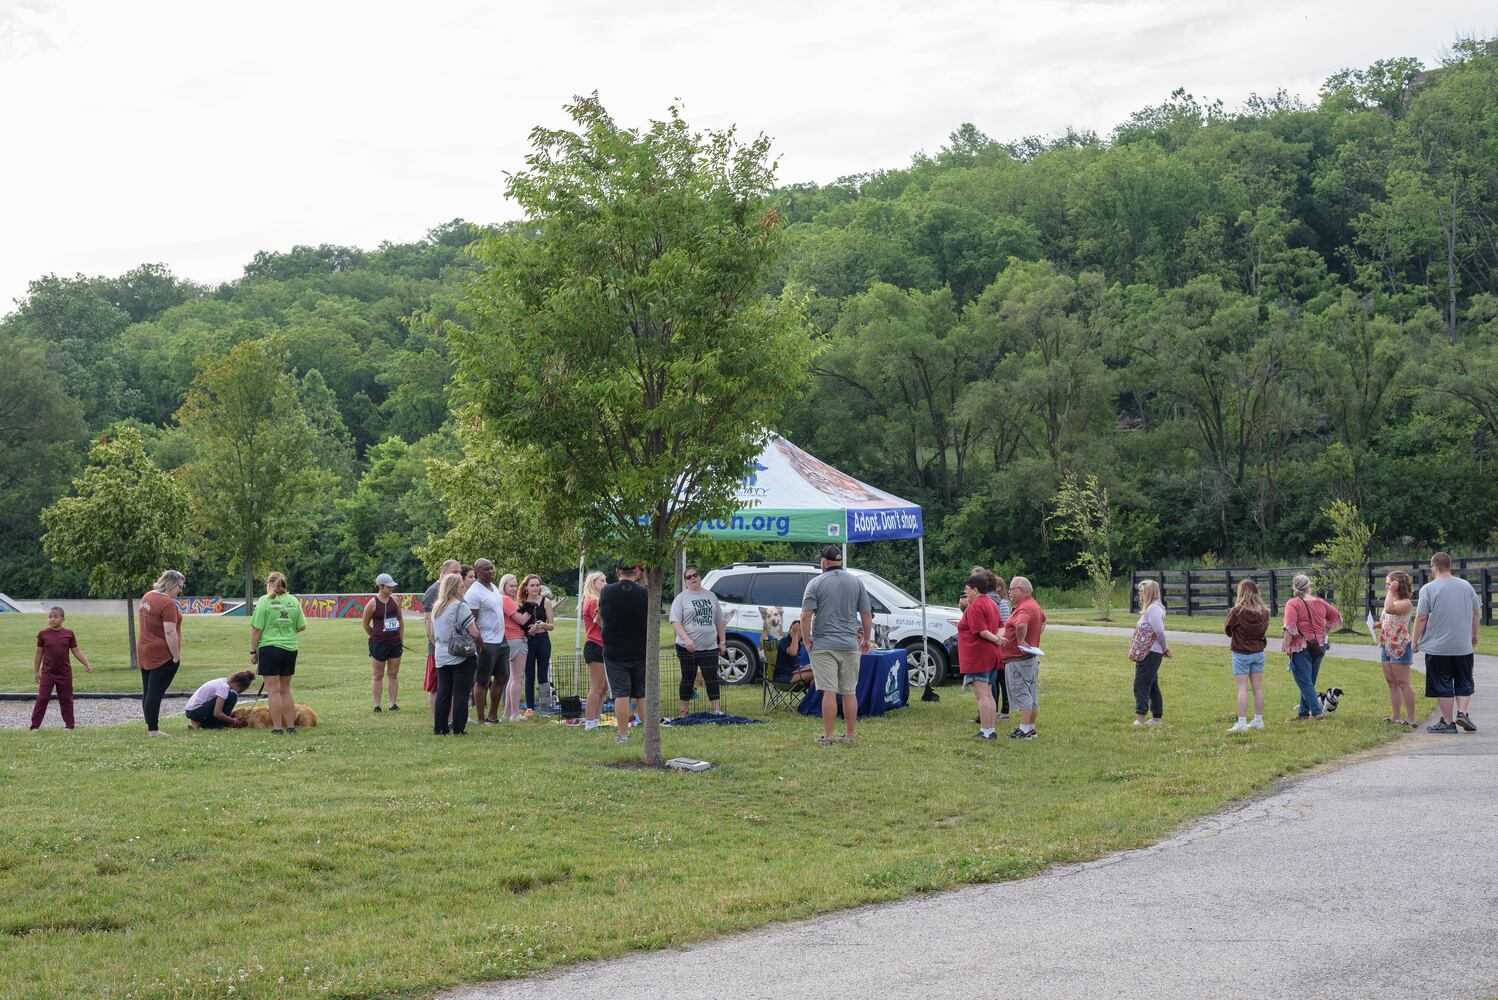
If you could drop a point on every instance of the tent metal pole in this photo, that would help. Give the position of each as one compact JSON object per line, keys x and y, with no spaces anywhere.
{"x":920,"y":546}
{"x":845,"y":553}
{"x":578,"y":647}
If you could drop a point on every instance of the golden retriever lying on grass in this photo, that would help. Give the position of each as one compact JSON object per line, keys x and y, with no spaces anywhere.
{"x":258,"y":716}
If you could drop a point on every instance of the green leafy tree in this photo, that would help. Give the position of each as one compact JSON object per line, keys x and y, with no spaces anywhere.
{"x":125,"y":522}
{"x":1346,"y":558}
{"x":41,"y":428}
{"x":494,"y":511}
{"x":1082,"y":513}
{"x":625,"y":351}
{"x":254,"y":474}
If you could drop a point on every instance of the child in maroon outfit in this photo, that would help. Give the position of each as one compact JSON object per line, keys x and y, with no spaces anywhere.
{"x":53,"y":669}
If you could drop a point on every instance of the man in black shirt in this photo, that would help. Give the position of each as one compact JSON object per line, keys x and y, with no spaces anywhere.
{"x":622,"y":609}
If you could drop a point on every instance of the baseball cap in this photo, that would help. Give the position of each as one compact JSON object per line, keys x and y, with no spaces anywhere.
{"x":385,"y":580}
{"x":832,"y":553}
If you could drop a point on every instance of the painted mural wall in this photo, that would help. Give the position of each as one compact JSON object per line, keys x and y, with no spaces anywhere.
{"x":313,"y":605}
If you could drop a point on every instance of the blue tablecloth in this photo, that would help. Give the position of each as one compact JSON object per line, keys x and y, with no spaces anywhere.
{"x":883,"y":683}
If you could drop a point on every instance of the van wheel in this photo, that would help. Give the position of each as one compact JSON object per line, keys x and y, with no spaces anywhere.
{"x":928,"y":663}
{"x":738,"y":663}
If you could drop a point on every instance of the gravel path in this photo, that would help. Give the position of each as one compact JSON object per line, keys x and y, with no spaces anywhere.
{"x":86,"y":712}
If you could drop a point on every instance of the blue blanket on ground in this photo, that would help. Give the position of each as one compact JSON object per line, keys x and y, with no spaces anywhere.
{"x":709,"y":719}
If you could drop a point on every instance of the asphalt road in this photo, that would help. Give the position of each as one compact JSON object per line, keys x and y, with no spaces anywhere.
{"x":1373,"y":880}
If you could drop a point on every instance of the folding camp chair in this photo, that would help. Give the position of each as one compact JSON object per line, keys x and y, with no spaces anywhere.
{"x":779,"y":694}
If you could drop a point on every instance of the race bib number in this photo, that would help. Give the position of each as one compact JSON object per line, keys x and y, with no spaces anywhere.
{"x":392,"y":625}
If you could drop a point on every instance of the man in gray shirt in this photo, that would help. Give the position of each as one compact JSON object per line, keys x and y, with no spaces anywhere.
{"x":1446,"y":632}
{"x":838,"y":621}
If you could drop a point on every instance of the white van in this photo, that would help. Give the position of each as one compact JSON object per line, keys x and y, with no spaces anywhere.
{"x":751,"y":592}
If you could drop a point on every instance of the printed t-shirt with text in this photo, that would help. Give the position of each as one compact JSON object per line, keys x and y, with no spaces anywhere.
{"x":278,"y":619}
{"x":699,"y":615}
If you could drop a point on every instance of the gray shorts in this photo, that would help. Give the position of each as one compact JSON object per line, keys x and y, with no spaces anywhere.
{"x":493,"y":662}
{"x":1022,"y":678}
{"x":626,"y":678}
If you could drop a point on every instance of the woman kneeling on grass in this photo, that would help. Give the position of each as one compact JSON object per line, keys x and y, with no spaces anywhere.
{"x":1245,"y":628}
{"x":273,"y":629}
{"x":212,"y":705}
{"x":1395,"y":651}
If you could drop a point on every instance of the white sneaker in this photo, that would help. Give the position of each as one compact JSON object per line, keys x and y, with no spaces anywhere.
{"x":1241,"y":726}
{"x":1154,"y":722}
{"x":1137,"y":723}
{"x":1256,"y":724}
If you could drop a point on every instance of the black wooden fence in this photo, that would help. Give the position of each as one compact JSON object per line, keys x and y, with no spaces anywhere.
{"x":1211,"y":591}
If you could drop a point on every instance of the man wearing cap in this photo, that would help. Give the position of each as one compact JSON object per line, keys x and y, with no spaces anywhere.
{"x":385,"y":625}
{"x":837,"y":621}
{"x":623,"y":611}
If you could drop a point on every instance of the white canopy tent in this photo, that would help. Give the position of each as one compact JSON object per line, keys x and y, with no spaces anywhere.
{"x":789,"y":495}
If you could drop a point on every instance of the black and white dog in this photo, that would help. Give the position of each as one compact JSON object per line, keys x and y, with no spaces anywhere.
{"x":1329,"y":700}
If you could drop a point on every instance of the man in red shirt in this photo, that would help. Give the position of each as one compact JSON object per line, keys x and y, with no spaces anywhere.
{"x":1020,"y":651}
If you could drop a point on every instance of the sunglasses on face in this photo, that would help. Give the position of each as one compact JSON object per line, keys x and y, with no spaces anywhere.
{"x":690,"y":576}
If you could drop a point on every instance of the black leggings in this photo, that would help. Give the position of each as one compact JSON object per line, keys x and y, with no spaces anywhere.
{"x":1004,"y":691}
{"x":705,"y":660}
{"x":153,"y":684}
{"x":537,"y":665}
{"x":1147,"y":700}
{"x":453,"y":685}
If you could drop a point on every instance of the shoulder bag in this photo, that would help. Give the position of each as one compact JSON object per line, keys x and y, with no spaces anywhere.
{"x":460,"y":643}
{"x":1314,"y":648}
{"x":1139,"y":646}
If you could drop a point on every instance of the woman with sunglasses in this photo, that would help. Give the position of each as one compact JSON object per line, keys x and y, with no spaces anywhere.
{"x":698,"y":620}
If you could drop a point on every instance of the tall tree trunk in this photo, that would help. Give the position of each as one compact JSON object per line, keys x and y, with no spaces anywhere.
{"x":249,"y":583}
{"x":1451,"y":269}
{"x":651,"y":721}
{"x":130,"y":627}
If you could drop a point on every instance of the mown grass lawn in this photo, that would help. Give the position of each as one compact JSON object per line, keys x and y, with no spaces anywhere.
{"x":369,"y":858}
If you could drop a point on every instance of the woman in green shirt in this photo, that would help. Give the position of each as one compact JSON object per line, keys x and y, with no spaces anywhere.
{"x":278,"y":618}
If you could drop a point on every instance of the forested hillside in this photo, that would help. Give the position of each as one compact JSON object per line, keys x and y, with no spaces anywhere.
{"x":1230,"y":316}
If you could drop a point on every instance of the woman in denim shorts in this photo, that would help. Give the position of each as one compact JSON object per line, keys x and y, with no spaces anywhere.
{"x":1245,"y":627}
{"x":1395,"y":650}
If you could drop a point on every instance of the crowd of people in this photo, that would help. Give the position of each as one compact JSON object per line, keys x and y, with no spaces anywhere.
{"x":489,"y":647}
{"x":1443,"y":625}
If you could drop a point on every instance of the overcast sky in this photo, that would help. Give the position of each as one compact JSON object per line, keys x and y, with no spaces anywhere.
{"x":196,"y":133}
